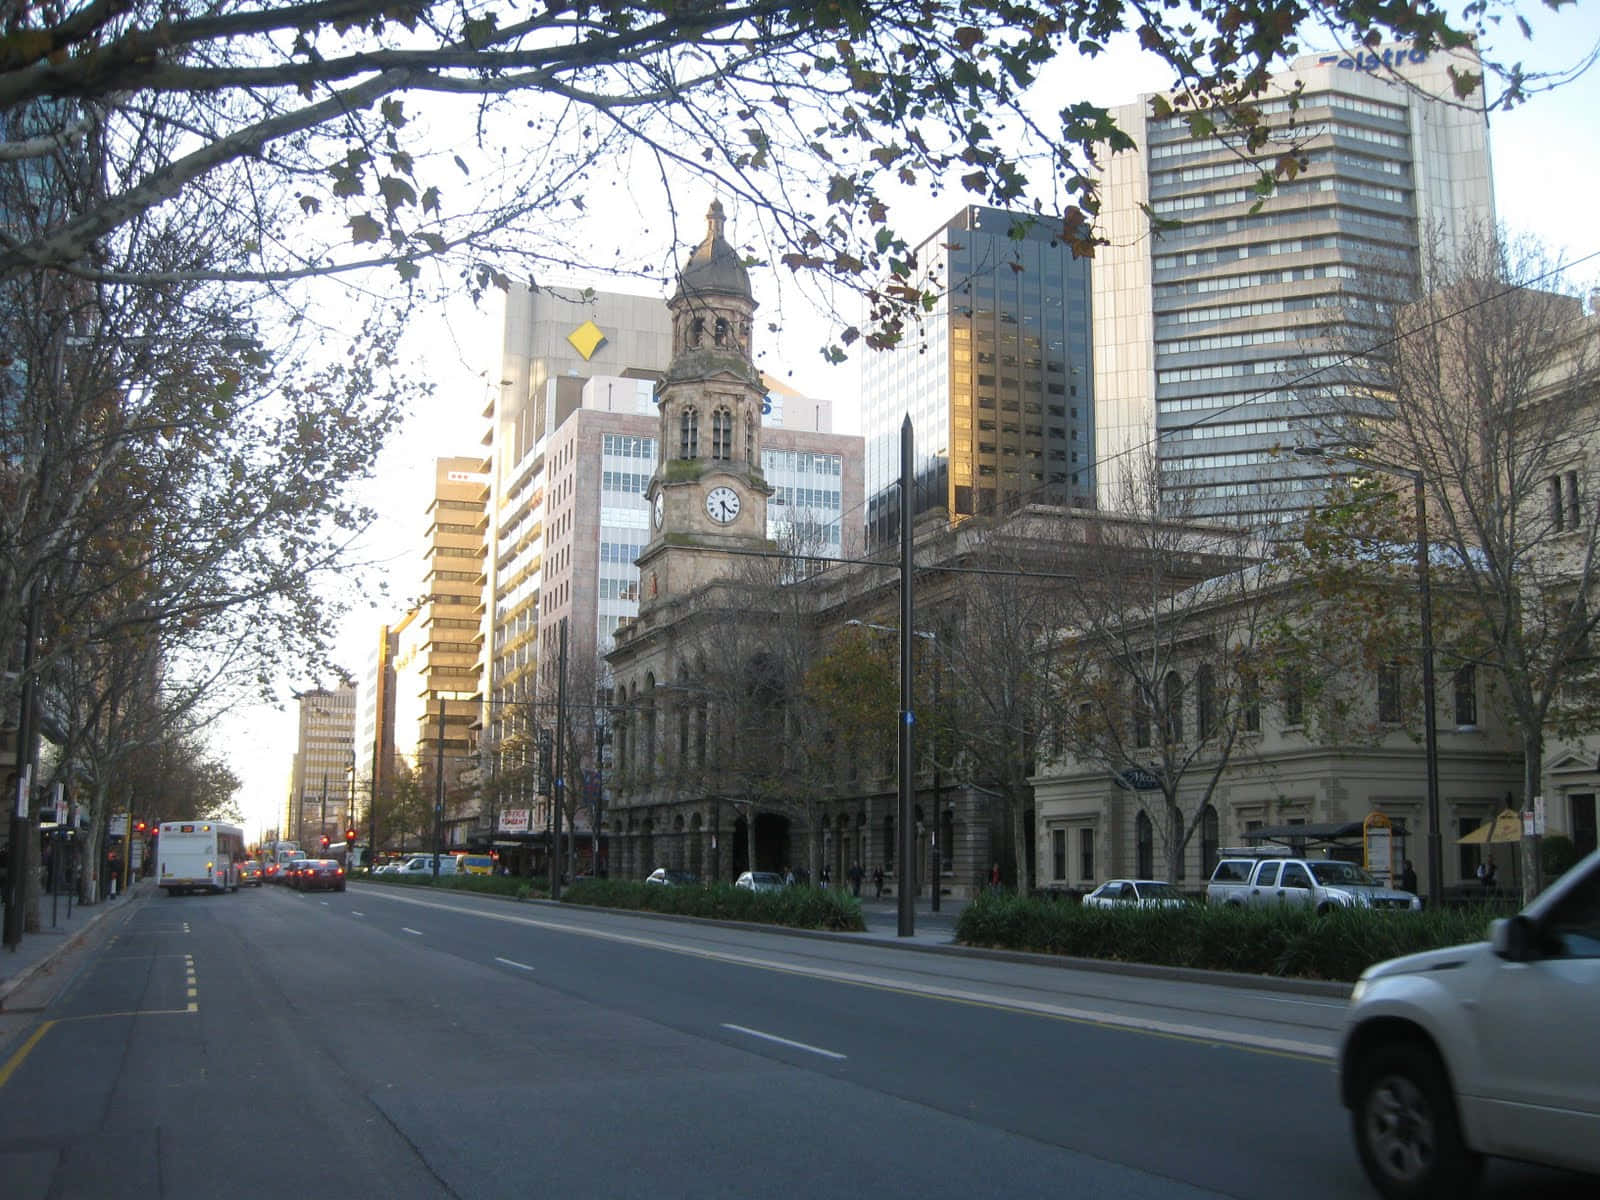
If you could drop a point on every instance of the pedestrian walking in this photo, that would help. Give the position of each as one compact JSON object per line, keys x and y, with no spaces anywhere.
{"x":877,"y":883}
{"x":856,"y":875}
{"x":994,"y":878}
{"x":824,"y":877}
{"x":1486,"y":874}
{"x":1408,"y":878}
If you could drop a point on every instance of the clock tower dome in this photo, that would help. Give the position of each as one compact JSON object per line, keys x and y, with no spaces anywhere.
{"x":708,"y":495}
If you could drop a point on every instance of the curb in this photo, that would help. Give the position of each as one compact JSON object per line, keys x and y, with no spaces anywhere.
{"x":1330,"y":989}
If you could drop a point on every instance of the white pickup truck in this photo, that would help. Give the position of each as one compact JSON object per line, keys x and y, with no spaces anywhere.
{"x":1321,"y":884}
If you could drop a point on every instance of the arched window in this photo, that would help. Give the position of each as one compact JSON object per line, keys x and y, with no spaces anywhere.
{"x":697,"y":331}
{"x":1144,"y":847}
{"x":1172,"y":703}
{"x":721,"y":331}
{"x":1210,"y":839}
{"x":722,"y":434}
{"x":1205,"y":702}
{"x":689,"y":434}
{"x":750,"y":440}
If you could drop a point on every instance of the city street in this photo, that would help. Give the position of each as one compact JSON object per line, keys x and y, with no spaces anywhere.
{"x":393,"y":1042}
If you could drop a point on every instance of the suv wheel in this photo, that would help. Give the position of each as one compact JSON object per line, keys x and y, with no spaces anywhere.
{"x":1406,"y":1127}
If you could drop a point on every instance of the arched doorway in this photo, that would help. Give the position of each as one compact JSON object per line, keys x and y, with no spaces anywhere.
{"x":697,"y":856}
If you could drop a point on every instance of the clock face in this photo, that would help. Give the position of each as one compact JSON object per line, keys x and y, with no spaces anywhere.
{"x":722,"y":504}
{"x":661,"y":508}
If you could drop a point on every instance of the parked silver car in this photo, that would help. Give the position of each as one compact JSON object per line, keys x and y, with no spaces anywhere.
{"x":760,"y":881}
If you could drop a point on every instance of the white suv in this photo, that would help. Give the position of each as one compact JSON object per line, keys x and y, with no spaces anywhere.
{"x":1488,"y":1048}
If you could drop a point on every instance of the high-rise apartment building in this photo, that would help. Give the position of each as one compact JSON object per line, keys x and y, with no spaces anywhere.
{"x":1206,"y":335}
{"x":996,"y":379}
{"x":323,"y":764}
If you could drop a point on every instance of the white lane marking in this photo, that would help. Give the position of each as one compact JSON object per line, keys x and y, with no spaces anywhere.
{"x":354,"y":913}
{"x":1111,"y":1020}
{"x":511,"y":963}
{"x":772,"y":1037}
{"x":408,"y":929}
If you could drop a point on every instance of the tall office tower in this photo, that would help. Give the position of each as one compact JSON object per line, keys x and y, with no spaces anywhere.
{"x":555,"y":341}
{"x":374,"y":726}
{"x":322,"y":765}
{"x":438,"y":674}
{"x":996,"y":380}
{"x":1205,"y":335}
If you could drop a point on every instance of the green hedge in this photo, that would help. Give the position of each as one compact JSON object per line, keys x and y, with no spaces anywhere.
{"x":795,"y":907}
{"x":1290,"y":942}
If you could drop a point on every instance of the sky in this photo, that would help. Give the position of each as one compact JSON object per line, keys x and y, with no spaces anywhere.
{"x":1546,"y":162}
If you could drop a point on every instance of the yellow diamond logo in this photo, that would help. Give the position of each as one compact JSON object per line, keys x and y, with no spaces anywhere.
{"x":586,"y":339}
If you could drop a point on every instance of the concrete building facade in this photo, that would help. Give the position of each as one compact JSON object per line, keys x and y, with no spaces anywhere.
{"x":323,"y":767}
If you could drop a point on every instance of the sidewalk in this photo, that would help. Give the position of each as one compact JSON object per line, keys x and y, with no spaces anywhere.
{"x":40,"y":949}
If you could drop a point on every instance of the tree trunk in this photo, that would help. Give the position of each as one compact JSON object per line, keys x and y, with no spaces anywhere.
{"x":750,"y":838}
{"x":1019,"y":845}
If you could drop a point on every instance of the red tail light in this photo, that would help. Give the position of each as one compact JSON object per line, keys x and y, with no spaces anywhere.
{"x":339,"y":871}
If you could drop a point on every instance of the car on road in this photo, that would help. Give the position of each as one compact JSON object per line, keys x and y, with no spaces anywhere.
{"x":250,"y":872}
{"x":419,"y":865}
{"x":1135,"y":893}
{"x":1452,"y":1055}
{"x":1320,"y":884}
{"x":760,"y":881}
{"x":319,"y":874}
{"x":668,"y":877}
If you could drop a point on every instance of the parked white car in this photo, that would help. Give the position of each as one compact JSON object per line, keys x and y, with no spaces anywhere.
{"x":1135,"y":893}
{"x":1483,"y":1049}
{"x":422,"y":864}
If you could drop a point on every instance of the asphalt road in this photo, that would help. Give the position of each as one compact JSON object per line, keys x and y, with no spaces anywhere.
{"x":390,"y":1042}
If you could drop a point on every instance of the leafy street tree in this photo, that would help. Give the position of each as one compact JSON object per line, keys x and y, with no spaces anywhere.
{"x":306,"y":118}
{"x":1490,"y":387}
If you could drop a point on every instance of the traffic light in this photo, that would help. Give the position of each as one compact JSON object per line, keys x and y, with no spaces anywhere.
{"x":350,"y":836}
{"x":324,"y":841}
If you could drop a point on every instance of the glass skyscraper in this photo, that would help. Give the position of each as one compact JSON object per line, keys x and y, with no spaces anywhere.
{"x":996,"y":379}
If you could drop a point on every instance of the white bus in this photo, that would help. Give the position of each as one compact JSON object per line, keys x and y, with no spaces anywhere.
{"x":199,"y":855}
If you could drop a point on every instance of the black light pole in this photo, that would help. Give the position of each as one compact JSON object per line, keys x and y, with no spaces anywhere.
{"x":907,"y":883}
{"x":438,"y":794}
{"x":555,"y":783}
{"x":322,"y":833}
{"x":1430,"y":735}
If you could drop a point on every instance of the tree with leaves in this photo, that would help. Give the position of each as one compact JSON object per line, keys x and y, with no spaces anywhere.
{"x":336,"y":127}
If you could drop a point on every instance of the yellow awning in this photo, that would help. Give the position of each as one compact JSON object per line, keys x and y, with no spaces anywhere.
{"x":1505,"y":827}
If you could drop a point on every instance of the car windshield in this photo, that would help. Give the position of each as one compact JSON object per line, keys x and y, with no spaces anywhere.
{"x":765,"y":877}
{"x":1341,"y":872}
{"x":1159,"y":891}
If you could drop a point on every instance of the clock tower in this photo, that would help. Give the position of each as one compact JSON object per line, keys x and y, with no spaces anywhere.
{"x":708,"y":495}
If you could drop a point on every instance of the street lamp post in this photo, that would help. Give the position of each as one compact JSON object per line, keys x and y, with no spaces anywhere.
{"x":1430,"y":736}
{"x":906,"y":832}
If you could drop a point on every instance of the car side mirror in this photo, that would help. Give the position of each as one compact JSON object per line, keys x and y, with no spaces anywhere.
{"x":1512,"y":939}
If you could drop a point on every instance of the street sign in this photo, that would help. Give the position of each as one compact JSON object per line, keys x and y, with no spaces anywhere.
{"x":118,"y":826}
